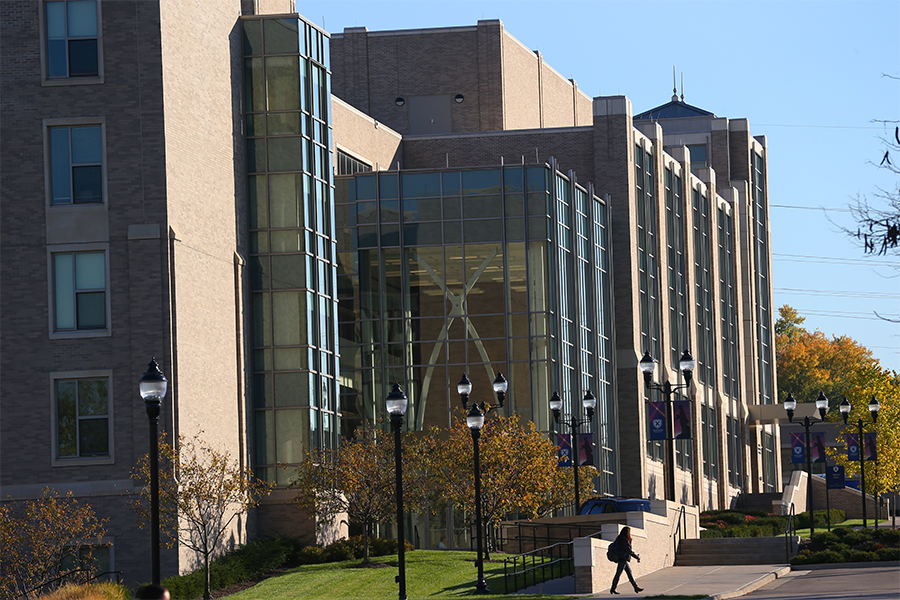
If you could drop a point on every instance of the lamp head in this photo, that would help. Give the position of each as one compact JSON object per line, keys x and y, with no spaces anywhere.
{"x":845,"y":409}
{"x":590,"y":403}
{"x":153,"y":384}
{"x":464,"y":387}
{"x":874,"y":407}
{"x":475,"y":419}
{"x":822,"y":405}
{"x":396,"y":402}
{"x":647,"y":366}
{"x":686,"y":364}
{"x":555,"y":405}
{"x":790,"y":405}
{"x":500,"y":387}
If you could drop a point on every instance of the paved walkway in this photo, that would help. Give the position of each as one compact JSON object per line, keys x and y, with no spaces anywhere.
{"x":719,"y":582}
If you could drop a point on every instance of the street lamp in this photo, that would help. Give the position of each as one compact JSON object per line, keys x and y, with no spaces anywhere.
{"x":475,"y":421}
{"x":396,"y":403}
{"x":686,"y":365}
{"x":790,"y":404}
{"x":589,"y":403}
{"x":153,"y":386}
{"x":874,"y":407}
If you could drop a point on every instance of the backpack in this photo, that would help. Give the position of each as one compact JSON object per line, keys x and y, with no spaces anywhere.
{"x":612,"y":552}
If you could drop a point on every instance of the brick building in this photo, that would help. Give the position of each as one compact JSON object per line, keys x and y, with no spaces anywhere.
{"x":217,"y":187}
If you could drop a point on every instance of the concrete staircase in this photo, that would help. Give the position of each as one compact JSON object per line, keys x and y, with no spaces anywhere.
{"x":735,"y":551}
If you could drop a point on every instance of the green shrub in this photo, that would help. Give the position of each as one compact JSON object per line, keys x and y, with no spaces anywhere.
{"x":860,"y":556}
{"x":801,"y":520}
{"x":824,"y":538}
{"x":841,"y":531}
{"x":90,"y":591}
{"x":827,"y":556}
{"x":888,"y":536}
{"x":854,"y":538}
{"x":888,"y":554}
{"x":311,"y":555}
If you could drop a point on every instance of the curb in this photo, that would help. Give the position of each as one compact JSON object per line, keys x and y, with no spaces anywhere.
{"x":853,"y":565}
{"x":753,"y":585}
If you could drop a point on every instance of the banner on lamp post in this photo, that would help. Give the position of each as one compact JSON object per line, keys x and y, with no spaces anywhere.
{"x":564,"y":449}
{"x":817,"y":447}
{"x":681,"y":426}
{"x":798,"y":448}
{"x":869,"y":449}
{"x":835,"y":477}
{"x":585,"y":448}
{"x":657,"y":420}
{"x":852,"y":446}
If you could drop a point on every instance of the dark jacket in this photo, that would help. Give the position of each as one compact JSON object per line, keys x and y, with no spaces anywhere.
{"x":625,"y":550}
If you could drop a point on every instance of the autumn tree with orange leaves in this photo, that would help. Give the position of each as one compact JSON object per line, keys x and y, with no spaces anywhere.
{"x":809,"y":362}
{"x":519,"y":469}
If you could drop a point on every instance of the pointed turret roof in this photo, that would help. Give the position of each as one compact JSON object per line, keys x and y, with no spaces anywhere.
{"x":675,"y":109}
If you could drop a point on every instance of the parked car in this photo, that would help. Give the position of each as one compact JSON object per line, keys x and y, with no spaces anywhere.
{"x":602,"y":506}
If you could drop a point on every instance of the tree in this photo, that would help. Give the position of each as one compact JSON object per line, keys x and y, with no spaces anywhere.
{"x":356,"y":478}
{"x":519,"y":469}
{"x":201,"y":492}
{"x":809,"y":362}
{"x":39,"y":538}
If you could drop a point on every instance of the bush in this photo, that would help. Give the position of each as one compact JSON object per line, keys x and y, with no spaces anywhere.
{"x":801,"y":521}
{"x":888,"y":554}
{"x":888,"y":536}
{"x":860,"y":556}
{"x":311,"y":555}
{"x":90,"y":591}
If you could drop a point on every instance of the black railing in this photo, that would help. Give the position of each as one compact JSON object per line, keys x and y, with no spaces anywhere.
{"x":537,"y":566}
{"x":789,"y":535}
{"x":679,"y":534}
{"x":552,"y":533}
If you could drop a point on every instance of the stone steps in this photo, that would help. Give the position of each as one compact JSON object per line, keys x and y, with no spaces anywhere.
{"x":734,"y":551}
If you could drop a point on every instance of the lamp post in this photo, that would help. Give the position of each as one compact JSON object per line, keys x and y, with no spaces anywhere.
{"x":874,"y":407}
{"x":686,"y":365}
{"x":397,"y":403}
{"x":153,"y":386}
{"x":475,"y":421}
{"x":790,"y":404}
{"x":589,"y":402}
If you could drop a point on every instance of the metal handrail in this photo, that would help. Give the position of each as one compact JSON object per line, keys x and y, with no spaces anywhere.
{"x":560,"y":554}
{"x":788,"y":534}
{"x":678,"y":533}
{"x":547,"y":539}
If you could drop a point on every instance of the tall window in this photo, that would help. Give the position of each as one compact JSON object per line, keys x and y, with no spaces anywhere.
{"x":677,"y":270}
{"x":82,"y":418}
{"x":72,"y":39}
{"x":76,"y":164}
{"x":706,"y":352}
{"x":708,"y":425}
{"x":765,"y":340}
{"x":79,"y":291}
{"x":728,"y":305}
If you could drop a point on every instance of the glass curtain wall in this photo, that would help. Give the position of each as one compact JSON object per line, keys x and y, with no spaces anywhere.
{"x":730,"y":350}
{"x":447,"y":272}
{"x":648,"y":267}
{"x":292,"y":268}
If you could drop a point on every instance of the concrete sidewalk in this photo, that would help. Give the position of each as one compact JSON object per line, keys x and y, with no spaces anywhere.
{"x":719,"y":582}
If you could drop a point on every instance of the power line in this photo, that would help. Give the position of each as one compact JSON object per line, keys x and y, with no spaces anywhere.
{"x":835,"y":261}
{"x":839,"y":314}
{"x":841,"y":294}
{"x":846,"y":210}
{"x":817,"y":126}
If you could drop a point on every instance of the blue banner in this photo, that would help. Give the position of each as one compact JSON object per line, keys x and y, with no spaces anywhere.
{"x":817,"y":447}
{"x":835,"y":477}
{"x":657,"y":420}
{"x":852,"y":446}
{"x":564,"y":449}
{"x":869,"y":448}
{"x":798,"y":448}
{"x":681,"y":426}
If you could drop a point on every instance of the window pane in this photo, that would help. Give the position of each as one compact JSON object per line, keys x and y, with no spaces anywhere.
{"x":291,"y":390}
{"x":87,"y":184}
{"x":287,"y":241}
{"x":257,"y":193}
{"x":265,"y":435}
{"x":86,"y":146}
{"x":289,"y":317}
{"x":91,"y":310}
{"x":254,"y":83}
{"x":282,"y":36}
{"x":417,"y":185}
{"x":256,"y":156}
{"x":283,"y":123}
{"x":290,"y":359}
{"x":92,"y":397}
{"x":282,"y":82}
{"x":285,"y":199}
{"x":262,"y":320}
{"x":82,"y":18}
{"x":289,"y":272}
{"x":56,"y":58}
{"x":56,"y":20}
{"x":59,"y":165}
{"x":93,"y":437}
{"x":481,"y":182}
{"x":90,"y":271}
{"x":65,"y":286}
{"x":83,"y":58}
{"x":292,"y":435}
{"x":286,"y":154}
{"x":65,"y":418}
{"x":252,"y":37}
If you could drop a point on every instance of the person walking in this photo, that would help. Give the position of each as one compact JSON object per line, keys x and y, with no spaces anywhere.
{"x":623,"y":543}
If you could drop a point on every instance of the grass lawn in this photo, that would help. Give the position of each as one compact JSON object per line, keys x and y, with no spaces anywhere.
{"x":848,"y":523}
{"x":433,"y":574}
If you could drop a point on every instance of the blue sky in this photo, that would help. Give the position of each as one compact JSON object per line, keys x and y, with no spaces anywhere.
{"x":808,"y":75}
